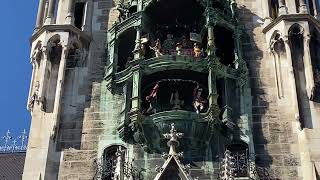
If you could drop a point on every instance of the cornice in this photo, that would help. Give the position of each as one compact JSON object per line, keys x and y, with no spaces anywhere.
{"x":60,"y":27}
{"x":291,"y":18}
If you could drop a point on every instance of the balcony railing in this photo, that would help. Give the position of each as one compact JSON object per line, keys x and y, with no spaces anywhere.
{"x":11,"y":144}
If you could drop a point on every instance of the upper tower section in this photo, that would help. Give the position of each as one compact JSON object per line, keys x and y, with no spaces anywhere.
{"x":177,"y":61}
{"x":167,"y":29}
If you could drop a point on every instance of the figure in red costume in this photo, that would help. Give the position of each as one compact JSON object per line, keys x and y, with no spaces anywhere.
{"x":152,"y":99}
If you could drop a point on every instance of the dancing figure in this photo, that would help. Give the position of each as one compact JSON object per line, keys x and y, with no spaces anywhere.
{"x":157,"y":48}
{"x":152,"y":99}
{"x":196,"y":51}
{"x":179,"y":49}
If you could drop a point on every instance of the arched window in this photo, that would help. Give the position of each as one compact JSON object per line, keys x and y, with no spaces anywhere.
{"x":297,"y":6}
{"x":110,"y":160}
{"x":224,"y":42}
{"x":296,"y":40}
{"x":274,"y":8}
{"x":79,"y":12}
{"x":54,"y":57}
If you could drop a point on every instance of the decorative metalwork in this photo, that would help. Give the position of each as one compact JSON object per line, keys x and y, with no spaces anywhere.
{"x":133,"y":172}
{"x":173,"y":156}
{"x":234,"y":164}
{"x":238,"y":164}
{"x":104,"y":168}
{"x":11,"y":144}
{"x":114,"y":166}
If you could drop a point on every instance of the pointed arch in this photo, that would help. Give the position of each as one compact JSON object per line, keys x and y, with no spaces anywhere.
{"x":296,"y":29}
{"x":109,"y":160}
{"x":278,"y":51}
{"x":296,"y":42}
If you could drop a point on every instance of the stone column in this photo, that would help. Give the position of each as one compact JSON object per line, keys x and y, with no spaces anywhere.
{"x":60,"y":81}
{"x":303,"y":144}
{"x":210,"y":27}
{"x":136,"y":85}
{"x":213,"y":95}
{"x":45,"y":12}
{"x":50,"y":15}
{"x":88,"y":16}
{"x":282,"y":7}
{"x":308,"y":65}
{"x":140,"y":5}
{"x":70,"y":15}
{"x":316,"y":9}
{"x":43,"y":70}
{"x":40,"y":14}
{"x":291,"y":78}
{"x":138,"y":51}
{"x":303,"y":7}
{"x":31,"y":82}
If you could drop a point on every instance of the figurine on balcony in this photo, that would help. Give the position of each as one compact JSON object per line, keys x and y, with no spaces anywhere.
{"x":198,"y":101}
{"x":168,"y":44}
{"x":152,"y":99}
{"x":157,"y":48}
{"x":196,"y":51}
{"x":123,"y":12}
{"x":185,"y":43}
{"x":179,"y":49}
{"x":176,"y":101}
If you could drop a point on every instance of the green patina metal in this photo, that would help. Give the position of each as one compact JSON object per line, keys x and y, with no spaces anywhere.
{"x":206,"y":134}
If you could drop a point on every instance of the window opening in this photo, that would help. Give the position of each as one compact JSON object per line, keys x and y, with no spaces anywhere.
{"x":311,"y":7}
{"x":178,"y":31}
{"x":183,"y":90}
{"x":79,"y":14}
{"x":110,"y":160}
{"x":297,"y":6}
{"x":274,"y":9}
{"x":224,"y":42}
{"x":126,"y":44}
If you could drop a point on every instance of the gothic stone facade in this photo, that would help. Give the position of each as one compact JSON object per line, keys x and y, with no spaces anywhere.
{"x":232,"y":84}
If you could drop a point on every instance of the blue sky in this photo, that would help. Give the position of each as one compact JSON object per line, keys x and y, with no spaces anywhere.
{"x":17,"y":18}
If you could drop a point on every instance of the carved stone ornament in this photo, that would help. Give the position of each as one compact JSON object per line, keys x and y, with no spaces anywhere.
{"x":173,"y":158}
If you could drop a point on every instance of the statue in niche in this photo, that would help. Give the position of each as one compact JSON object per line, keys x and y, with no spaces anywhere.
{"x":152,"y":99}
{"x":197,"y":51}
{"x":157,"y":48}
{"x":198,"y":101}
{"x":123,"y":12}
{"x":176,"y":101}
{"x":169,"y":43}
{"x":34,"y":98}
{"x":179,"y":49}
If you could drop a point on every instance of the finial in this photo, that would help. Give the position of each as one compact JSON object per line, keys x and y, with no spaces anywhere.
{"x":173,"y":142}
{"x":7,"y":137}
{"x":23,"y":138}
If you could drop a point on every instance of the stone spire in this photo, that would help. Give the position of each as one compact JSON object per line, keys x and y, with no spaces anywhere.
{"x":172,"y":158}
{"x":173,"y":142}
